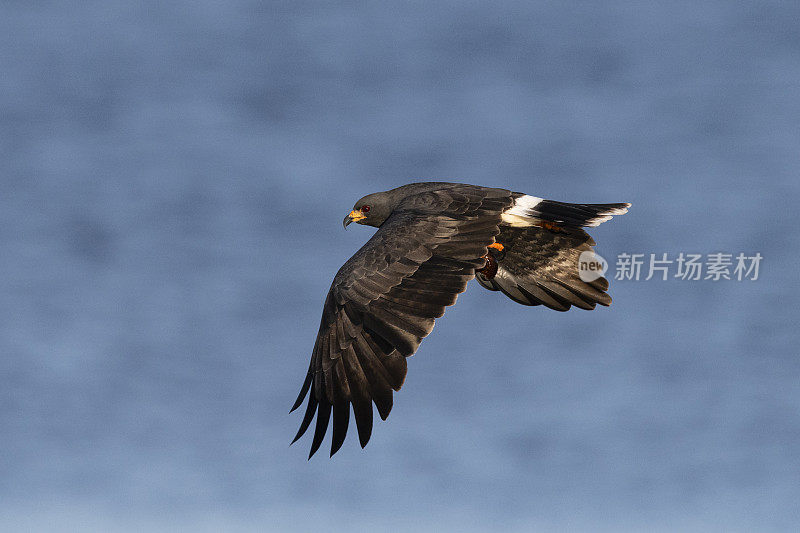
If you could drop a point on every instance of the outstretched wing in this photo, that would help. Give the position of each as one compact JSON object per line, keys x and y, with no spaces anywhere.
{"x":540,"y":266}
{"x":543,"y":241}
{"x":385,"y":299}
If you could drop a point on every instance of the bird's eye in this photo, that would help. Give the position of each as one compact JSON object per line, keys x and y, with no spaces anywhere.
{"x":365,"y":208}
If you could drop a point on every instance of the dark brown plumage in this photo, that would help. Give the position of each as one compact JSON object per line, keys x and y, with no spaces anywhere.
{"x":432,"y":238}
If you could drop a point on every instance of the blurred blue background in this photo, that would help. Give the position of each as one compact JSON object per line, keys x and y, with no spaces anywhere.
{"x":174,"y":176}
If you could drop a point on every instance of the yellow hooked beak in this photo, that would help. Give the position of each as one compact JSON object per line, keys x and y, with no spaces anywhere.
{"x":354,"y":216}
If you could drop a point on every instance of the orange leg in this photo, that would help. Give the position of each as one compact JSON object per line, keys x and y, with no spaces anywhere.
{"x":497,"y":246}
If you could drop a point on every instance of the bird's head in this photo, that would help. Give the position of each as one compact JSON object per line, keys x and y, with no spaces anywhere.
{"x":372,"y":210}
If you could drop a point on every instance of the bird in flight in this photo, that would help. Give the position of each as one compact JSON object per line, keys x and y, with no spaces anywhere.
{"x":432,"y":239}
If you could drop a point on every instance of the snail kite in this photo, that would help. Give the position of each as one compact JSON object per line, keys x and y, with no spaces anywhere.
{"x":432,"y":239}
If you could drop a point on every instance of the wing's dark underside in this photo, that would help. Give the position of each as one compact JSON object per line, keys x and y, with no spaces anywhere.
{"x":539,"y":267}
{"x":385,"y":299}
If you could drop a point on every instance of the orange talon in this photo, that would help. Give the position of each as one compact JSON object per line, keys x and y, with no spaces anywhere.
{"x":497,"y":246}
